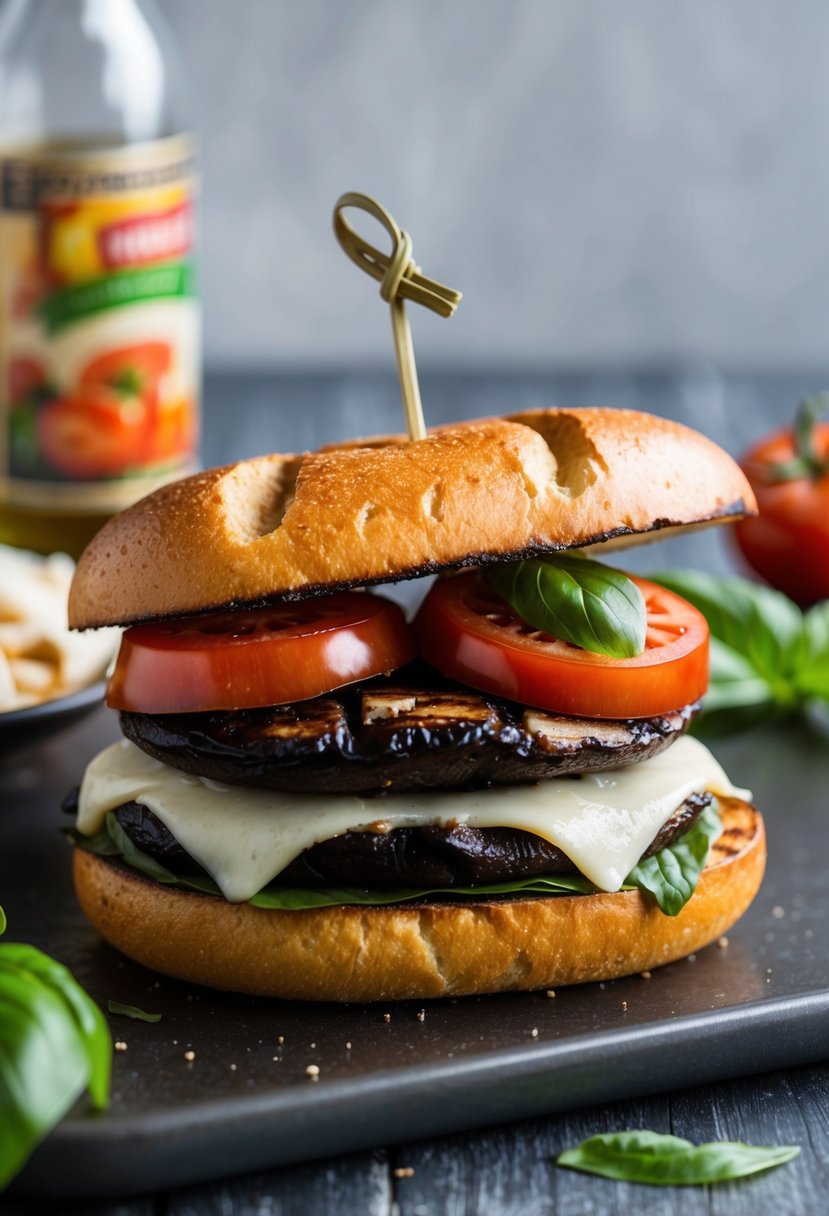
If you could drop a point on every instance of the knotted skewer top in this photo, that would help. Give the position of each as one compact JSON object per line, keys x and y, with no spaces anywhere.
{"x":400,"y":280}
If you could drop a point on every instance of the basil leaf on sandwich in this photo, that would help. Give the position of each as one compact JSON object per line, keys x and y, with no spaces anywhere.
{"x":670,"y":876}
{"x":577,"y":600}
{"x":662,"y":1160}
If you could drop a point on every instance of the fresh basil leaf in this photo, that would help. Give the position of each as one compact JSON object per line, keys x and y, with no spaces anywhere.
{"x":762,"y":625}
{"x":643,"y":1156}
{"x":580,"y":601}
{"x":734,"y":682}
{"x":766,"y":658}
{"x":2,"y":922}
{"x":813,"y":677}
{"x":132,"y":1011}
{"x":54,"y":1043}
{"x":89,"y":1020}
{"x":737,"y":697}
{"x":671,"y":875}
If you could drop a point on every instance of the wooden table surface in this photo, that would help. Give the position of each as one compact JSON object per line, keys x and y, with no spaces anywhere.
{"x":511,"y":1169}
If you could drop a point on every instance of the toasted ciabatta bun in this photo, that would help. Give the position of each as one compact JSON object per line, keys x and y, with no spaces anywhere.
{"x":293,"y":526}
{"x":422,"y":950}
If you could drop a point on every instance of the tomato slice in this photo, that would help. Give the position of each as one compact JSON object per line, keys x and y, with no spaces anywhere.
{"x":262,"y":656}
{"x":470,"y":634}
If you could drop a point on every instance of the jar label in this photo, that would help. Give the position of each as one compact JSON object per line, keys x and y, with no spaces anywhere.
{"x":99,"y":323}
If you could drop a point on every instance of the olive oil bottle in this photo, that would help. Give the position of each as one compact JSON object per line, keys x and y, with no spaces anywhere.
{"x":99,"y":317}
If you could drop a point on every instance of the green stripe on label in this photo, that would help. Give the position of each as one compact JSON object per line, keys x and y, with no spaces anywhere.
{"x":115,"y":290}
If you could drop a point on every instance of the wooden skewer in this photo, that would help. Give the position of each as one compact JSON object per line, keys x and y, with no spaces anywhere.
{"x":400,"y":280}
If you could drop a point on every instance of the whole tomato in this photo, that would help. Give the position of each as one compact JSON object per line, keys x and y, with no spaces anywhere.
{"x":788,"y":542}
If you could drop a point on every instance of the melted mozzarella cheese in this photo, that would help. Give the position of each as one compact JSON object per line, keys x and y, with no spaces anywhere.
{"x":245,"y":837}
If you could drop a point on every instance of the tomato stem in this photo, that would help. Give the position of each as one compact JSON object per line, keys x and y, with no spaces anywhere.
{"x":807,"y":461}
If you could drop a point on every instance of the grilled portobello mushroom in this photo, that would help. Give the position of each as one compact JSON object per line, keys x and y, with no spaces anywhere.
{"x":404,"y":733}
{"x":441,"y":856}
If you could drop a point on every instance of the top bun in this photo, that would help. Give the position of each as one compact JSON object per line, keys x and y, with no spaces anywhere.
{"x":287,"y":527}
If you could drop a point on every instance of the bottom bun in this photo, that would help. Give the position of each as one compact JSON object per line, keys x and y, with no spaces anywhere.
{"x":419,"y":950}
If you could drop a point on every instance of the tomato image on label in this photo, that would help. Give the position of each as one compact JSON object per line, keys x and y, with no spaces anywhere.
{"x":99,"y":341}
{"x":107,"y":424}
{"x":136,"y":368}
{"x":98,"y":433}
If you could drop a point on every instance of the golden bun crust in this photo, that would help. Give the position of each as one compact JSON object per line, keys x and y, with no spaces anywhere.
{"x":405,"y":952}
{"x":291,"y":526}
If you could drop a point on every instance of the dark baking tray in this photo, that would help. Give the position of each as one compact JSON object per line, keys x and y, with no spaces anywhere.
{"x":759,"y":1003}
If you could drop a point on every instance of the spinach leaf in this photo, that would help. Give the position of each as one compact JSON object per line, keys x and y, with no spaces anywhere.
{"x":54,"y":1043}
{"x":132,"y":1011}
{"x":101,"y":844}
{"x":133,"y":856}
{"x":671,"y":875}
{"x":661,"y":1160}
{"x":577,"y":600}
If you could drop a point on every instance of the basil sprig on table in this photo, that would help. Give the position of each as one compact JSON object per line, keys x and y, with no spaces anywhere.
{"x":670,"y":876}
{"x":578,"y":600}
{"x":662,"y":1160}
{"x":132,"y":1011}
{"x":54,"y":1044}
{"x":768,"y":658}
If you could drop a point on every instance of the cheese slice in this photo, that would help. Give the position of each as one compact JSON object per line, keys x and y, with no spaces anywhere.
{"x":244,"y":837}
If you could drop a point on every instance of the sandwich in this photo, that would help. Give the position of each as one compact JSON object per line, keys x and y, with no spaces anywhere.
{"x":318,"y":799}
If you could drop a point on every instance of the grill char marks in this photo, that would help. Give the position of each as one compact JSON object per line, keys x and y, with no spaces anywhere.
{"x":412,"y":732}
{"x":405,"y":857}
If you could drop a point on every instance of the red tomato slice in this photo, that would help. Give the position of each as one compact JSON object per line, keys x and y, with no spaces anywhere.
{"x":260,"y":656}
{"x":470,"y":634}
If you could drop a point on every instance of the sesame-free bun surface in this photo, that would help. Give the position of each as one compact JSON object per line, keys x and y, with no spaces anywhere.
{"x":416,"y":951}
{"x":384,"y":509}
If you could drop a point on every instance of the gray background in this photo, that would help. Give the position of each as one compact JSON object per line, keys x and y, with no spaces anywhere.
{"x":607,"y":180}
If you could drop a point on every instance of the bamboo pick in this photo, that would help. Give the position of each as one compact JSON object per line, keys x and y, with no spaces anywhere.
{"x":400,"y":280}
